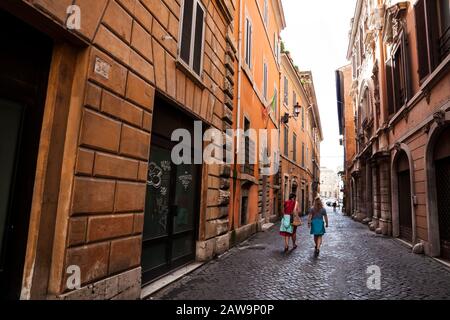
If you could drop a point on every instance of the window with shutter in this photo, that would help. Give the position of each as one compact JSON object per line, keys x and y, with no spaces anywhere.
{"x":286,"y":91}
{"x":248,"y":43}
{"x":286,"y":141}
{"x":294,"y":98}
{"x":444,"y":28}
{"x":422,"y":43}
{"x":192,"y":35}
{"x":303,"y":154}
{"x":303,"y":118}
{"x":186,"y":31}
{"x":265,"y":80}
{"x":266,"y":13}
{"x":198,"y":43}
{"x":390,"y":86}
{"x":294,"y":142}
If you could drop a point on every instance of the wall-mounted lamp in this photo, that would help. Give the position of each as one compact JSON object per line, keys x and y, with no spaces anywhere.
{"x":286,"y":117}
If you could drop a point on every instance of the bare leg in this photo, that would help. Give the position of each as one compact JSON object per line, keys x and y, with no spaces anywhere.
{"x":315,"y":240}
{"x":319,"y":242}
{"x":294,"y":239}
{"x":286,"y":243}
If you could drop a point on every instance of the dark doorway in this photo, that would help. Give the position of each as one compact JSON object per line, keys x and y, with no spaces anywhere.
{"x":172,"y":201}
{"x":442,"y":166}
{"x":24,"y":68}
{"x":404,"y":198}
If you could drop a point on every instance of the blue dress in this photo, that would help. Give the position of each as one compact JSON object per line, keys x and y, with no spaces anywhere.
{"x":317,"y":223}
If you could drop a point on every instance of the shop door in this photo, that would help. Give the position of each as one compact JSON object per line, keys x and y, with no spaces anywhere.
{"x":24,"y":67}
{"x":443,"y":196}
{"x":172,"y":202}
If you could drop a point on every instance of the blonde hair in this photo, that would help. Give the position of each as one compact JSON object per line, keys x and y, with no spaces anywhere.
{"x":318,"y":204}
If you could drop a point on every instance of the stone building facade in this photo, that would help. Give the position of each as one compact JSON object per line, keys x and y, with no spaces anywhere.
{"x":401,"y":93}
{"x":301,"y":134}
{"x":346,"y":114}
{"x":329,"y":183}
{"x":255,"y":196}
{"x":88,"y":139}
{"x":96,"y":191}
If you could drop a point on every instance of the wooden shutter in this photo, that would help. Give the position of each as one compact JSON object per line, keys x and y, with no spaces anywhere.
{"x":250,"y":36}
{"x":294,"y":142}
{"x":422,"y":40}
{"x":265,"y":80}
{"x":431,"y":9}
{"x":198,"y":41}
{"x":186,"y":32}
{"x":286,"y":90}
{"x":397,"y":78}
{"x":389,"y":87}
{"x":406,"y":66}
{"x":286,"y":141}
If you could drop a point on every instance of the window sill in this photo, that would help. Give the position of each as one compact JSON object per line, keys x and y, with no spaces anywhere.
{"x":198,"y":80}
{"x":248,"y":73}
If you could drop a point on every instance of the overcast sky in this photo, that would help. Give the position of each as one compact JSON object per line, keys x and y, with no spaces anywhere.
{"x":317,"y":37}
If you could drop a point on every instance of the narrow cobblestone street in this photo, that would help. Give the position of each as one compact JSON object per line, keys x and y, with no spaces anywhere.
{"x":258,"y":269}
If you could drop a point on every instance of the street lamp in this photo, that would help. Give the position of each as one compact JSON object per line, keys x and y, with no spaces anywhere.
{"x":297,"y":110}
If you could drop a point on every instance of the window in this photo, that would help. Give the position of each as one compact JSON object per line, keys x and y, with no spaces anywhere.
{"x":286,"y":141}
{"x":354,"y":68}
{"x":397,"y":77}
{"x":286,"y":91}
{"x":307,"y":157}
{"x":192,"y":34}
{"x":303,"y":154}
{"x":275,"y":46}
{"x":303,"y":118}
{"x":294,"y":98}
{"x":248,"y":42}
{"x":433,"y":34}
{"x":249,"y":167}
{"x":265,"y":80}
{"x":294,"y":143}
{"x":266,"y":13}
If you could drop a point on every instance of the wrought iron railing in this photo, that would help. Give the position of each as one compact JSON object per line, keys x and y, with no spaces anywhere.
{"x":444,"y":44}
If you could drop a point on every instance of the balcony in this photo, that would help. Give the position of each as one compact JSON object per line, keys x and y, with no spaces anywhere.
{"x":444,"y":44}
{"x":248,"y":169}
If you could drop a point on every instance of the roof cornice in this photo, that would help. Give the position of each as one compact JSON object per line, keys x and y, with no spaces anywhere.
{"x":354,"y":28}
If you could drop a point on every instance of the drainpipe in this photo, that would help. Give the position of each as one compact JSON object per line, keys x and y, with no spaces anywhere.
{"x":238,"y":115}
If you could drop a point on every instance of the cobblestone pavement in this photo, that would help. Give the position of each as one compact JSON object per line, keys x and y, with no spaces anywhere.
{"x":259,"y":270}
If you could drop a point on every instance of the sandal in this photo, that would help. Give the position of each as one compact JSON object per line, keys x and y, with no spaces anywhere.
{"x":294,"y":247}
{"x":286,"y":249}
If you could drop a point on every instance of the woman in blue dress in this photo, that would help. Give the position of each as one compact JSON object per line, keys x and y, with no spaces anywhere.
{"x":316,"y":217}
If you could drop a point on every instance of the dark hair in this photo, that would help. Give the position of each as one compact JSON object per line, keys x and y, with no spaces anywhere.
{"x":292,"y":196}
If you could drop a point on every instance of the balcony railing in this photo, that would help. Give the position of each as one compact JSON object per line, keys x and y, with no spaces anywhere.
{"x":248,"y":169}
{"x":444,"y":44}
